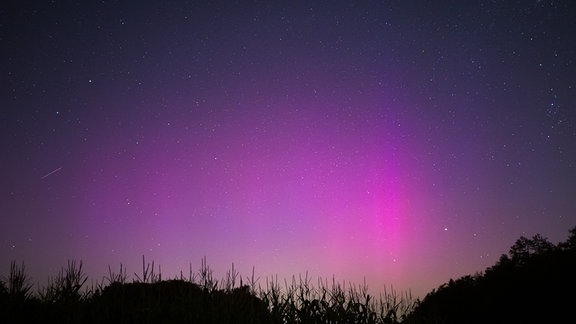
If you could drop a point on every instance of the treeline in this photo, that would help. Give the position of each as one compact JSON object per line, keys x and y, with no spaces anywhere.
{"x":534,"y":283}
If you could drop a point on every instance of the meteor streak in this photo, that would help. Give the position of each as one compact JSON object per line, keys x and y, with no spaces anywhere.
{"x":51,"y":173}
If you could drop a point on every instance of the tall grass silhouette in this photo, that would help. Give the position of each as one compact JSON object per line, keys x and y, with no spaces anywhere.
{"x":197,"y":297}
{"x":530,"y":285}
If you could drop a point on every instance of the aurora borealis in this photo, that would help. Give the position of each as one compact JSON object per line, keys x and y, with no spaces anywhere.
{"x":400,"y":142}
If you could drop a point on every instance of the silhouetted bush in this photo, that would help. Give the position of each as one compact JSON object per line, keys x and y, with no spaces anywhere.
{"x":175,"y":301}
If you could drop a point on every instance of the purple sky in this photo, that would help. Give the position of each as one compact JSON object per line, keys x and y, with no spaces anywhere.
{"x":404,"y":144}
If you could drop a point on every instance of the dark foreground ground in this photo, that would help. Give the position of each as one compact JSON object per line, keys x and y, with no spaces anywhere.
{"x":534,"y":283}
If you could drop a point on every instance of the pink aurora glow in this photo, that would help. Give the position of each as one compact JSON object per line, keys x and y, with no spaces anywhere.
{"x":395,"y":143}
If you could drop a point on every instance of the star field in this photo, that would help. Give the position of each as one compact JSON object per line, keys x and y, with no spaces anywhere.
{"x":400,"y":143}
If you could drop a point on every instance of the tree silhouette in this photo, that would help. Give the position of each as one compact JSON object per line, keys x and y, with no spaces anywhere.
{"x":525,"y":248}
{"x":570,"y":243}
{"x":534,"y":284}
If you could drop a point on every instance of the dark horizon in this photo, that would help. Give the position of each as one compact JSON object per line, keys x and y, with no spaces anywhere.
{"x":528,"y":284}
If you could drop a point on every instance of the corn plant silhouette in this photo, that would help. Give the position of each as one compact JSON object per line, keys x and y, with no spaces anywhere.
{"x":194,"y":298}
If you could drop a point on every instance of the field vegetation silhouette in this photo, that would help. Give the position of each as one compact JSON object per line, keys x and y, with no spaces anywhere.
{"x":534,"y":283}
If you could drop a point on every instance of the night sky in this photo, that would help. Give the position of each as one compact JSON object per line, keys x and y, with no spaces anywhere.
{"x":399,"y":142}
